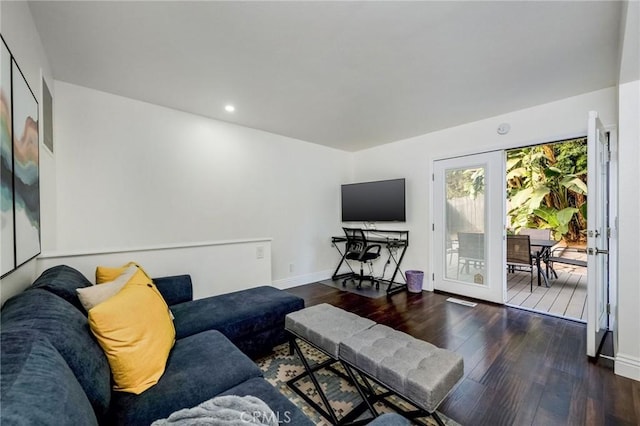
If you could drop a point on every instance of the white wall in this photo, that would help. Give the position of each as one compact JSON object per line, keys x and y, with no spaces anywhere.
{"x":412,"y":158}
{"x":630,"y":42}
{"x":215,"y":267}
{"x":18,"y":29}
{"x":135,"y":174}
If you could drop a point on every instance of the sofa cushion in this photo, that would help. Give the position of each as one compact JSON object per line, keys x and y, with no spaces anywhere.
{"x":284,"y":410}
{"x":262,"y":343}
{"x":175,"y":289}
{"x":236,"y":315}
{"x":67,"y":329}
{"x":63,"y":281}
{"x":36,"y":385}
{"x":199,"y":367}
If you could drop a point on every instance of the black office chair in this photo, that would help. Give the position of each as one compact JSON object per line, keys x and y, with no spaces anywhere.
{"x":359,"y":249}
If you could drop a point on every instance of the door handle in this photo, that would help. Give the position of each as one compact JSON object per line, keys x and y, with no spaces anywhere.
{"x":597,"y":251}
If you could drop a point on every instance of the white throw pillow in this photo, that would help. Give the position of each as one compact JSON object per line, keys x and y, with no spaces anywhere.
{"x":98,"y":293}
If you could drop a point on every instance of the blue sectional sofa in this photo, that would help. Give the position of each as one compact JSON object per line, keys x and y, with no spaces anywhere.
{"x":54,"y":372}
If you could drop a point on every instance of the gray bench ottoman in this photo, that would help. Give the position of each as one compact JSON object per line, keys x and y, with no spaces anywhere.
{"x":324,"y":326}
{"x":415,"y":370}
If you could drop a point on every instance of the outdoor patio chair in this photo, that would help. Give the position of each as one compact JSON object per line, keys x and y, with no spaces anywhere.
{"x":452,"y":249}
{"x":470,"y":251}
{"x":540,"y":234}
{"x":536,"y":234}
{"x":519,"y":255}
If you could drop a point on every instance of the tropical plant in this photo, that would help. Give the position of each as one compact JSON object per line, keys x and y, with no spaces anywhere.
{"x":465,"y":183}
{"x":546,"y":188}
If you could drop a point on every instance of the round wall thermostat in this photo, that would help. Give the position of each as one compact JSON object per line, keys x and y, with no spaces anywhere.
{"x":504,"y":128}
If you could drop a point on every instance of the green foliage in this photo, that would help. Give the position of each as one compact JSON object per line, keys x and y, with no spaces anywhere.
{"x":546,"y":188}
{"x":465,"y":183}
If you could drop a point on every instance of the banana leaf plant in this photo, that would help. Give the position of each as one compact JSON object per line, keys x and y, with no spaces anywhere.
{"x":546,"y":188}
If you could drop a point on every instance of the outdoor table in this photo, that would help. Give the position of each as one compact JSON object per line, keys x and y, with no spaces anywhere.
{"x":543,"y":250}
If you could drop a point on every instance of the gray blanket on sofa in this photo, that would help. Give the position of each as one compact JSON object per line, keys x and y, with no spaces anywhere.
{"x":228,"y":410}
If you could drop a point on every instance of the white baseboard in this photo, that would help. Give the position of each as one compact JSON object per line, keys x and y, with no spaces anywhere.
{"x":627,"y":366}
{"x":302,"y":279}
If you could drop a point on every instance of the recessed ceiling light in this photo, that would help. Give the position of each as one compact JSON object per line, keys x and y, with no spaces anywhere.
{"x":229,"y":108}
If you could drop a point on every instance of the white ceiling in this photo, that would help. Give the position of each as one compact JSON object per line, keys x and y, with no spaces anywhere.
{"x":350,"y":75}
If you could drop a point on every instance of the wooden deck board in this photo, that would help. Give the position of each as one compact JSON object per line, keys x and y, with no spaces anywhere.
{"x":552,"y":294}
{"x":534,"y":297}
{"x":576,"y":304}
{"x":566,"y":296}
{"x":559,"y":307}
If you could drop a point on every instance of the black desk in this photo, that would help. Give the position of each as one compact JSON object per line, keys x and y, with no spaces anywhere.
{"x":393,"y":241}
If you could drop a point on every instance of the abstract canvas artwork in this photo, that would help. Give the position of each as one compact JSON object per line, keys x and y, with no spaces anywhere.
{"x":26,"y":173}
{"x":20,"y":167}
{"x":7,"y":255}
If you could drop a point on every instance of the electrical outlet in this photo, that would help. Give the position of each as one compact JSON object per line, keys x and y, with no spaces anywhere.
{"x":291,"y":267}
{"x":260,"y":252}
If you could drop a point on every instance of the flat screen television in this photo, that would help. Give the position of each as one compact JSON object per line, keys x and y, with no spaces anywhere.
{"x":381,"y":201}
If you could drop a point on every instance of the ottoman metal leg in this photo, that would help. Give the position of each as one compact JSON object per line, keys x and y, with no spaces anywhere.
{"x":437,"y":418}
{"x":327,"y":412}
{"x":363,"y":395}
{"x":371,"y":397}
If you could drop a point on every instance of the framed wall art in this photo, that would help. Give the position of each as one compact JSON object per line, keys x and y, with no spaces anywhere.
{"x":7,"y":248}
{"x":20,"y":167}
{"x":47,"y":117}
{"x":26,"y":168}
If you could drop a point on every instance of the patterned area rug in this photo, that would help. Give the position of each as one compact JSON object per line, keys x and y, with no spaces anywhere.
{"x":279,"y":367}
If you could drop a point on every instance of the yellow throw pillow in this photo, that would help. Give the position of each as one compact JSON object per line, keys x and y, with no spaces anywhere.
{"x":106,"y":274}
{"x":135,"y":330}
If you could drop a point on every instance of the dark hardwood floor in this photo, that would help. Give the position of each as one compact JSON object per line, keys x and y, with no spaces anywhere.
{"x":521,"y":368}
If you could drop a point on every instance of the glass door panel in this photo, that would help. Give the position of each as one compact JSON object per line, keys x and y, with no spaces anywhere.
{"x":465,"y":213}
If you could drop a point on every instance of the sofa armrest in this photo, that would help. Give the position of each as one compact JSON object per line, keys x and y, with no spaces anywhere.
{"x":175,"y":289}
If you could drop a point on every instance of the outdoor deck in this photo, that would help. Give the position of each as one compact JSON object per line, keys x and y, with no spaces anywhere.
{"x":566,"y":295}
